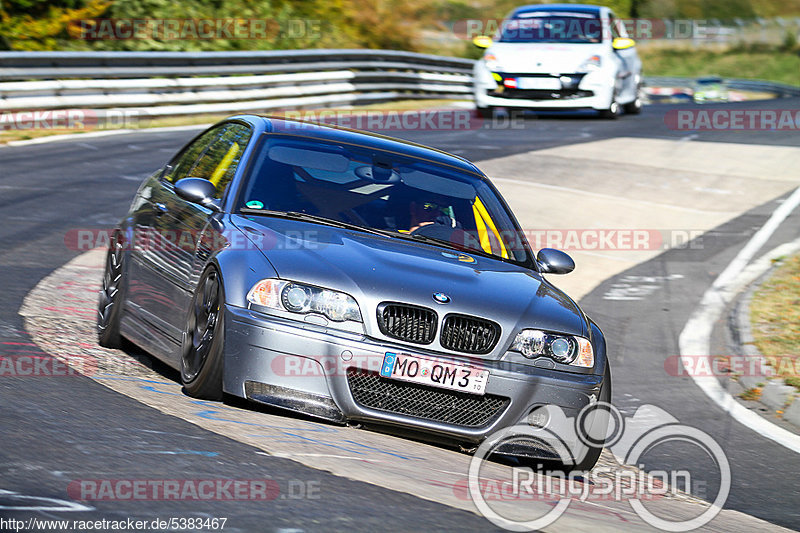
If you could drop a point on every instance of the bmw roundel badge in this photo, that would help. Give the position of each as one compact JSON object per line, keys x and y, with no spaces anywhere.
{"x":441,"y":297}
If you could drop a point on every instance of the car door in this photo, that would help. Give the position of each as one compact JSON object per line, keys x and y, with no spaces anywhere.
{"x":178,"y":225}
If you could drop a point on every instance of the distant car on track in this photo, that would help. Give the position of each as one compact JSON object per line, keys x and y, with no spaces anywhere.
{"x":557,"y":57}
{"x":351,"y":277}
{"x":710,"y":89}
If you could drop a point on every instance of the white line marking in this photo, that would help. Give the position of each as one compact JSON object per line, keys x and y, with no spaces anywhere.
{"x":290,"y":455}
{"x":712,"y":190}
{"x":694,"y":340}
{"x":28,"y":503}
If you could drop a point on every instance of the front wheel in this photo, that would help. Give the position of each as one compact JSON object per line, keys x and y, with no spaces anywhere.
{"x":203,"y":339}
{"x":612,"y":113}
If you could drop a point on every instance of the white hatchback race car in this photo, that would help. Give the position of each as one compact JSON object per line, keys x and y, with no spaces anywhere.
{"x":559,"y":56}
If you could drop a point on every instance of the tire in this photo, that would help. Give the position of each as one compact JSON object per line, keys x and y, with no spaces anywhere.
{"x":485,"y":112}
{"x":112,"y":295}
{"x":612,"y":113}
{"x":593,"y":453}
{"x":203,"y":339}
{"x":635,"y":107}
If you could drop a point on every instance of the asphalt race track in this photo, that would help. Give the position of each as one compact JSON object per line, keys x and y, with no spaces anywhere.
{"x":57,"y":430}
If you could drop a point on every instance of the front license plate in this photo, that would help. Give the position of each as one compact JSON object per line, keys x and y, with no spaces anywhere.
{"x":539,"y":83}
{"x":434,"y":373}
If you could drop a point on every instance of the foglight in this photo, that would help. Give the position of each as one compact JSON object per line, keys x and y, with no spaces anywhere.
{"x":491,"y":62}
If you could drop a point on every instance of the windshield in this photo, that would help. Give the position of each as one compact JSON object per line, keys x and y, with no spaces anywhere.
{"x":546,"y":27}
{"x":385,"y":191}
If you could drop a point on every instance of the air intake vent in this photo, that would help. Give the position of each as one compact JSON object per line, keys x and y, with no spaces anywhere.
{"x":420,"y":401}
{"x":407,"y":322}
{"x":467,"y":334}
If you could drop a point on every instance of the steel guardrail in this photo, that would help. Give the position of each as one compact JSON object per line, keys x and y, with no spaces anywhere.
{"x":182,"y":83}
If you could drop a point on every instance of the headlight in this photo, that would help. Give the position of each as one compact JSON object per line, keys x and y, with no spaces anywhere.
{"x":565,"y":349}
{"x":491,"y":62}
{"x":593,"y":63}
{"x":302,"y":299}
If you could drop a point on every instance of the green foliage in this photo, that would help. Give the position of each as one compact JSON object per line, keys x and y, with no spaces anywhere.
{"x":389,"y":24}
{"x":45,"y":24}
{"x":41,"y":25}
{"x":789,"y":42}
{"x":715,"y":9}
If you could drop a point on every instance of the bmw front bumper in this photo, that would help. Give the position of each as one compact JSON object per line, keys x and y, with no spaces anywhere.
{"x":307,"y":368}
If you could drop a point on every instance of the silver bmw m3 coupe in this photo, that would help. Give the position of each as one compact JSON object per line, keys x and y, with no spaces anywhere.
{"x":351,"y":277}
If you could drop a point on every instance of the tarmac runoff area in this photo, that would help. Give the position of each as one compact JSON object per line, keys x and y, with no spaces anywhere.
{"x":619,"y":184}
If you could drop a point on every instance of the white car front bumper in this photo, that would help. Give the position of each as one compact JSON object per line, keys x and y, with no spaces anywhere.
{"x":595,"y":91}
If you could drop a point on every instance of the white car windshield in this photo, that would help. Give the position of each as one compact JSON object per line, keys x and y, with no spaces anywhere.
{"x":546,"y":27}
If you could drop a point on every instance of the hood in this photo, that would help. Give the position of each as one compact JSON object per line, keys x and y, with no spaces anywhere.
{"x":375,"y":269}
{"x":543,"y":58}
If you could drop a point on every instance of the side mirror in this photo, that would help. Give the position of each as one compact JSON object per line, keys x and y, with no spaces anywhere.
{"x":482,"y":41}
{"x":198,"y":191}
{"x":622,"y":43}
{"x":553,"y":261}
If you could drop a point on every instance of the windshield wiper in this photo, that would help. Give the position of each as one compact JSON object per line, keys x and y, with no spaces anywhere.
{"x":305,"y":217}
{"x":296,"y":215}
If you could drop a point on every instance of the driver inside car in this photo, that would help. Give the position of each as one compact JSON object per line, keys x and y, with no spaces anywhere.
{"x":426,"y":213}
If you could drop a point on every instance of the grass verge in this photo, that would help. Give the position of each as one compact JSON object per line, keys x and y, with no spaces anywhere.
{"x":778,"y":65}
{"x":775,"y":319}
{"x":189,"y":120}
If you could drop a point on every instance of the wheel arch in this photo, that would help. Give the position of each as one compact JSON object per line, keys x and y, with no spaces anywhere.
{"x":239,"y":270}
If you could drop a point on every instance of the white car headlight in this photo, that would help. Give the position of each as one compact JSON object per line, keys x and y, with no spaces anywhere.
{"x":593,"y":63}
{"x":302,"y":299}
{"x":564,"y":349}
{"x":492,"y":63}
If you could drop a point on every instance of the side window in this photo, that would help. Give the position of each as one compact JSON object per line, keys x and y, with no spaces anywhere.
{"x":214,"y":156}
{"x":617,"y":30}
{"x":182,"y":164}
{"x":218,"y":162}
